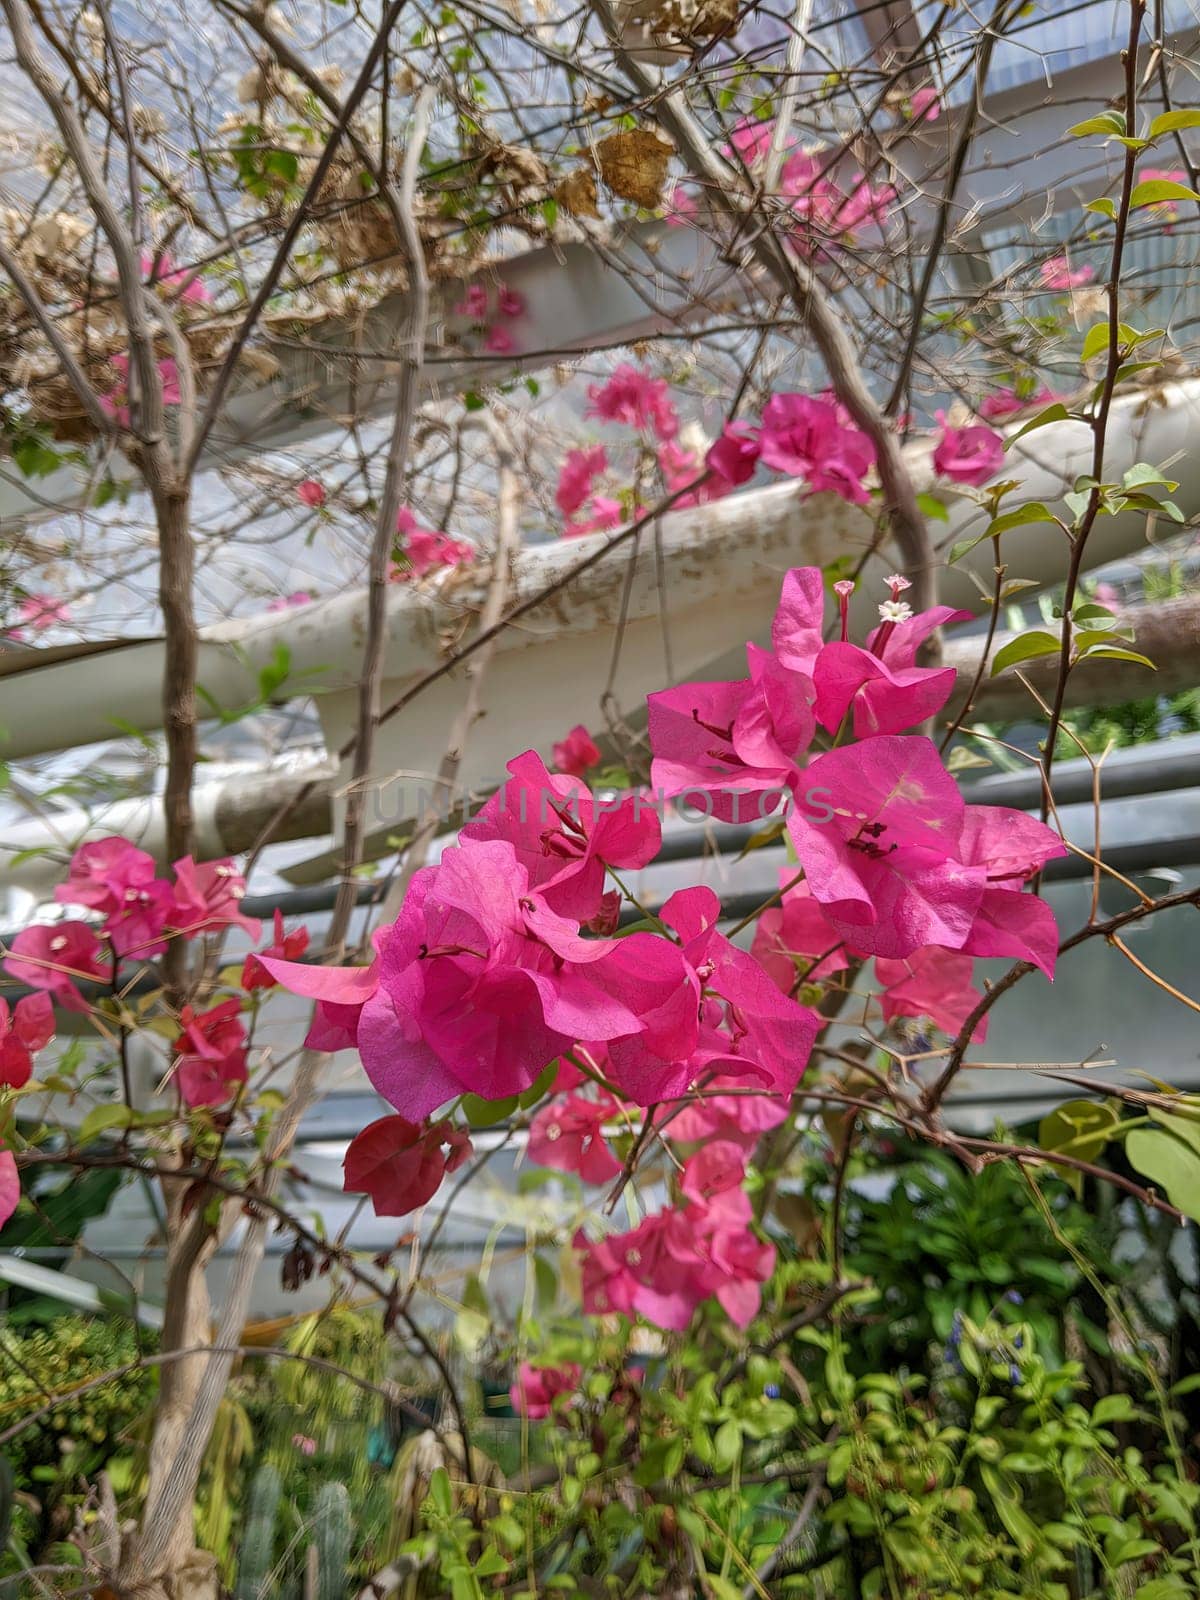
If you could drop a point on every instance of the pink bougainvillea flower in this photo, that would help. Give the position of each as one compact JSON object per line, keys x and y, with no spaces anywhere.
{"x":634,"y":399}
{"x":536,"y":1389}
{"x":829,"y":216}
{"x":284,"y":946}
{"x":340,"y":994}
{"x":1058,"y":274}
{"x":683,"y":469}
{"x":208,"y":895}
{"x":1009,"y":847}
{"x":933,"y":983}
{"x":806,"y":437}
{"x":212,"y":1054}
{"x":734,"y":456}
{"x":102,"y":872}
{"x":797,"y":432}
{"x":1007,"y":402}
{"x":794,"y":942}
{"x":719,"y":1166}
{"x":474,"y":303}
{"x":162,"y":272}
{"x":753,"y":1027}
{"x":604,"y":514}
{"x":924,"y":106}
{"x":114,"y":877}
{"x":563,"y":836}
{"x":10,"y":1185}
{"x":568,"y":1135}
{"x":334,"y":1027}
{"x":401,"y":1164}
{"x":866,"y":203}
{"x":480,"y":985}
{"x":577,"y":477}
{"x":733,"y":748}
{"x":665,"y":1268}
{"x":311,"y":493}
{"x":751,"y":140}
{"x":426,"y":550}
{"x":510,"y":302}
{"x":744,"y":1263}
{"x":41,"y":611}
{"x":499,"y":341}
{"x":287,"y":602}
{"x":883,"y":684}
{"x":728,"y":1108}
{"x":575,"y":754}
{"x":23,"y":1032}
{"x":968,"y":455}
{"x":680,"y":209}
{"x":53,"y":957}
{"x":885,"y":866}
{"x":116,"y":401}
{"x":797,"y":630}
{"x":653,"y":977}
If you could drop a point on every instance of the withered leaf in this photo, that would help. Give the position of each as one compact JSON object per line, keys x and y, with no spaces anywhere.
{"x":634,"y":165}
{"x":577,"y":193}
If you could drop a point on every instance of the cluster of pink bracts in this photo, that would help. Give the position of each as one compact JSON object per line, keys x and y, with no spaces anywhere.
{"x":506,"y":957}
{"x":810,"y":437}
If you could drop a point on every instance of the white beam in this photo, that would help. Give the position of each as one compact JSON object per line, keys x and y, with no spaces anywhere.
{"x":722,"y":564}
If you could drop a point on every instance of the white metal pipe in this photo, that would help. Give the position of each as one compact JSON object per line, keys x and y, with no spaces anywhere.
{"x":722,"y":564}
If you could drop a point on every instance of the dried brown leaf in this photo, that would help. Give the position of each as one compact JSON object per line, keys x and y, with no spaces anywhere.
{"x":577,"y":193}
{"x":634,"y":165}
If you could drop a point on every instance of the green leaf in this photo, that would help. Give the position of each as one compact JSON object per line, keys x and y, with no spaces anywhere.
{"x":770,"y":833}
{"x":541,"y":1085}
{"x":1153,"y":191}
{"x":439,"y":1491}
{"x":1108,"y":122}
{"x":933,"y":508}
{"x":1182,"y":1127}
{"x":1172,"y":122}
{"x":1113,"y":1408}
{"x":1131,"y":1550}
{"x":1105,"y":206}
{"x":1055,"y":413}
{"x":1141,"y":473}
{"x":1095,"y":340}
{"x":1081,"y":1129}
{"x":100,"y":1118}
{"x":473,"y":401}
{"x":34,"y":456}
{"x":1035,"y":511}
{"x":1117,"y":654}
{"x":283,"y":164}
{"x":1025,"y":648}
{"x":1170,"y":1165}
{"x":482,"y":1113}
{"x":1094,"y":638}
{"x":964,"y":547}
{"x":1091,"y":611}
